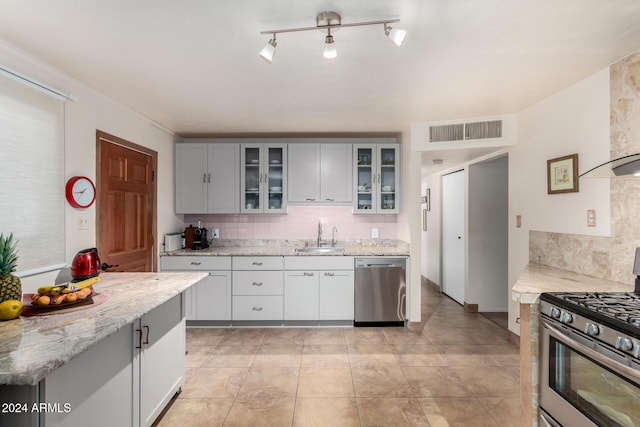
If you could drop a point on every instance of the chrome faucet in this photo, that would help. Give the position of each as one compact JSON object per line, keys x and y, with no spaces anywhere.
{"x":319,"y":233}
{"x":333,"y":236}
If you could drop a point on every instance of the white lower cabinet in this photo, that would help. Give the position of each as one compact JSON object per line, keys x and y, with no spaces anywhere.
{"x":301,"y":295}
{"x":125,"y":380}
{"x":257,"y":288}
{"x":159,"y":357}
{"x":336,"y":295}
{"x":319,"y":288}
{"x":209,"y":299}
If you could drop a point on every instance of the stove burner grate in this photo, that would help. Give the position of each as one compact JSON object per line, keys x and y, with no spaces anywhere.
{"x":624,"y":307}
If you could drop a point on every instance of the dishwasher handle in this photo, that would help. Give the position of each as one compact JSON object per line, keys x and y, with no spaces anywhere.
{"x":378,"y":266}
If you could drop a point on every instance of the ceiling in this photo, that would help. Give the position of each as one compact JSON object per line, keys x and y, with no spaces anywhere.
{"x":193,"y":66}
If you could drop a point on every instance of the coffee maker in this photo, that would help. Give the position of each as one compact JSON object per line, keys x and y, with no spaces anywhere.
{"x":200,"y":239}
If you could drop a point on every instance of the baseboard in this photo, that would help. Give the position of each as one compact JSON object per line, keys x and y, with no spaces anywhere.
{"x":414,"y":326}
{"x":470,"y":308}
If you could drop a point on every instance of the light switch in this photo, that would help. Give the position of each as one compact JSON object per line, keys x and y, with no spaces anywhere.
{"x":591,"y":218}
{"x":83,"y":222}
{"x":518,"y":221}
{"x":375,"y":233}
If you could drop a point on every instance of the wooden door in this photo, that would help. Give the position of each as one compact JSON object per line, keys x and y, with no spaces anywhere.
{"x":126,"y":208}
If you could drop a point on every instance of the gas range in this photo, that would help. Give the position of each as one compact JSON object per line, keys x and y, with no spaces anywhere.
{"x":610,"y":317}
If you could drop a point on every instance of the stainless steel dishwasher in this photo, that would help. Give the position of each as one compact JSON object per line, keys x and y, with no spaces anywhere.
{"x":380,"y":298}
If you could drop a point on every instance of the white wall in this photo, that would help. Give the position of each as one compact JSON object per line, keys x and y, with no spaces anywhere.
{"x":431,"y":238}
{"x":90,"y":112}
{"x":575,"y":120}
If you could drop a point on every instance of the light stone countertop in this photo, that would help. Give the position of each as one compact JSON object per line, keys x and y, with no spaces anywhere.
{"x":359,"y":248}
{"x":33,"y":347}
{"x":538,"y":278}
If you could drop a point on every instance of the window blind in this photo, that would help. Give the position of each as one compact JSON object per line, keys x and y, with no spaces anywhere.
{"x":32,"y":174}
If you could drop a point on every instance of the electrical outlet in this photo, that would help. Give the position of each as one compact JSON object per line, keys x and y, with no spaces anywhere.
{"x":375,"y":233}
{"x":83,"y":222}
{"x":215,"y":234}
{"x":591,"y":218}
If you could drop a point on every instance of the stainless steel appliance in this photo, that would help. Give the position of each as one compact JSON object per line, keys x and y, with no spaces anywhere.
{"x":589,"y":359}
{"x":380,"y":291}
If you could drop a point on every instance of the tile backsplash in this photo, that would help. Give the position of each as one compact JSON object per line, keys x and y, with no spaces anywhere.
{"x":301,"y":222}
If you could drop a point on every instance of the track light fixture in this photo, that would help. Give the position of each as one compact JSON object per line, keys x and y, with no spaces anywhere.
{"x":331,"y":20}
{"x":269,"y":50}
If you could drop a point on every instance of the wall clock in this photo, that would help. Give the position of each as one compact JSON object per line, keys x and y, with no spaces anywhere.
{"x":80,"y":192}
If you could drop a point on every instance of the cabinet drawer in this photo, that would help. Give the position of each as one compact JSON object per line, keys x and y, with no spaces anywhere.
{"x":208,"y":263}
{"x":257,"y":263}
{"x":257,"y":282}
{"x":258,"y":307}
{"x":318,"y":263}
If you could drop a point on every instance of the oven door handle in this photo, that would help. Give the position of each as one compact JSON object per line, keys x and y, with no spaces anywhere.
{"x":603,"y":360}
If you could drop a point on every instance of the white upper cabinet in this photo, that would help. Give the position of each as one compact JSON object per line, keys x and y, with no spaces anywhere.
{"x":376,"y":179}
{"x":207,"y":178}
{"x":263,"y":178}
{"x":320,"y":173}
{"x":304,"y":172}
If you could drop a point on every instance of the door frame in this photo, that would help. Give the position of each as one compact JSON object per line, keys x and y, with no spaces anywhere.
{"x":100,"y":135}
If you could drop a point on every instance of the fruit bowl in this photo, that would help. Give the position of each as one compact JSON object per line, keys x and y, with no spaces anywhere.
{"x":27,"y":300}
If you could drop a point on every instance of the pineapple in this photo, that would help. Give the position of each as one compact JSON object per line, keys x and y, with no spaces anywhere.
{"x":10,"y":286}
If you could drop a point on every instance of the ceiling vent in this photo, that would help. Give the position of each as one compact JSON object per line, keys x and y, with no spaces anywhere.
{"x":468,"y":131}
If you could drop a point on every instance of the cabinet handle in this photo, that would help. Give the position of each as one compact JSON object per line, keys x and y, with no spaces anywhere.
{"x":146,"y":339}
{"x":328,"y":273}
{"x":256,"y":308}
{"x":373,"y":178}
{"x":266,"y":178}
{"x":257,"y":283}
{"x":204,"y":178}
{"x":260,"y":178}
{"x":195,"y":263}
{"x":330,"y":200}
{"x":208,"y":177}
{"x":139,"y":331}
{"x":379,"y":179}
{"x":307,"y":273}
{"x":309,"y":199}
{"x":256,"y":263}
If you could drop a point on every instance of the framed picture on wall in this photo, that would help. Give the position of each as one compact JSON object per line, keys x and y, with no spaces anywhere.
{"x":562,"y":174}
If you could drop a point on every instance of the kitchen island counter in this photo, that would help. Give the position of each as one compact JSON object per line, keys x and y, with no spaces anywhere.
{"x":33,"y":347}
{"x":357,"y":248}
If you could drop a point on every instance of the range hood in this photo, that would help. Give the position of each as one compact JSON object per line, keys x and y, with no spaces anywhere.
{"x":627,"y":165}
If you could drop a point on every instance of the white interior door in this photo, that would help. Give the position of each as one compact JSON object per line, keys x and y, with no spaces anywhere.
{"x":453,"y":259}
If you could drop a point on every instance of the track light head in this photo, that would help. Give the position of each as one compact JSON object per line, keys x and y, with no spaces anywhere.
{"x":396,"y":35}
{"x":330,"y":51}
{"x":269,"y":50}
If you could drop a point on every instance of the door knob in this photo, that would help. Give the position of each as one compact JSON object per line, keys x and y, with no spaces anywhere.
{"x":105,"y":266}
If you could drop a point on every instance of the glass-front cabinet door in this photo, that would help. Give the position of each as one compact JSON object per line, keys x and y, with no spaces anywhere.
{"x":364,"y":200}
{"x":263,"y":178}
{"x":376,"y":179}
{"x":388,"y":179}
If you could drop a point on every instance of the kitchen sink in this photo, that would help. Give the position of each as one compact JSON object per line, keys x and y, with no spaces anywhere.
{"x":319,"y":250}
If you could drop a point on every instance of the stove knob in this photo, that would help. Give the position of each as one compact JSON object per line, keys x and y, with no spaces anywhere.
{"x":555,"y":313}
{"x":624,"y":344}
{"x":566,"y":318}
{"x":591,"y":329}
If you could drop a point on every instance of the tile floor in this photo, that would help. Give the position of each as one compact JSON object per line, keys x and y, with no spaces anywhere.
{"x":460,"y":371}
